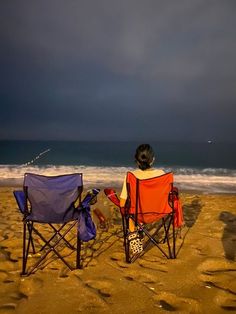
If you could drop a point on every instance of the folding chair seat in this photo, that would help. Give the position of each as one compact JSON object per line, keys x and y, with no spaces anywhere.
{"x":51,"y":207}
{"x":154,"y":208}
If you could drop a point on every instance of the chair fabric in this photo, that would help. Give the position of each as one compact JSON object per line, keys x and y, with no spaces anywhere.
{"x":21,"y":200}
{"x":150,"y":202}
{"x":149,"y":197}
{"x":86,"y":227}
{"x":111,"y":194}
{"x":51,"y":200}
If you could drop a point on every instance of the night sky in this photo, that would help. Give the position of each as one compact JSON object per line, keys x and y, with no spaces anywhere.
{"x":118,"y":70}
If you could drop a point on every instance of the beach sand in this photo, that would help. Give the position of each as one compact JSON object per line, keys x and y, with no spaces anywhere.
{"x":202,"y":279}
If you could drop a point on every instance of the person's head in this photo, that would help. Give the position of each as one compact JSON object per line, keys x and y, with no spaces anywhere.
{"x":144,"y":156}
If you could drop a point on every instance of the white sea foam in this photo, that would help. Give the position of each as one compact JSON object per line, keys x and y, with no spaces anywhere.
{"x":202,"y":180}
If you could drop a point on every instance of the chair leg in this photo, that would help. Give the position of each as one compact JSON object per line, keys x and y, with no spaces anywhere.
{"x":123,"y":226}
{"x":27,"y":226}
{"x":24,"y":258}
{"x":164,"y":225}
{"x":172,"y":250}
{"x":51,"y":249}
{"x":31,"y":238}
{"x":126,"y":242}
{"x":127,"y":253}
{"x":174,"y":238}
{"x":168,"y":228}
{"x":167,"y":236}
{"x":78,"y":252}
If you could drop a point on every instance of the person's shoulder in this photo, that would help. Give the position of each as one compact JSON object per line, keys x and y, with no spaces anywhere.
{"x":136,"y":171}
{"x":158,"y":172}
{"x":150,"y":173}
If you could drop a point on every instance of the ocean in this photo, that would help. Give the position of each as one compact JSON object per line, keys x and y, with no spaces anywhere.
{"x":201,"y":167}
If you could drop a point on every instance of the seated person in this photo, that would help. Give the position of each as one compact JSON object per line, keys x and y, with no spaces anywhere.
{"x":144,"y":158}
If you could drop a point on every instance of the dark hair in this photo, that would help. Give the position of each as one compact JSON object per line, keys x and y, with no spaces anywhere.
{"x":144,"y":156}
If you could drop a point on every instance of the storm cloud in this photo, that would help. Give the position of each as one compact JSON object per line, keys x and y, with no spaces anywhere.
{"x":118,"y":70}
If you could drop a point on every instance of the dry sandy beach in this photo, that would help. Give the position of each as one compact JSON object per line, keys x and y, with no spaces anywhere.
{"x":201,"y":280}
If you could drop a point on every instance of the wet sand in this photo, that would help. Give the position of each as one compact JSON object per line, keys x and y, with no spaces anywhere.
{"x":202,"y":279}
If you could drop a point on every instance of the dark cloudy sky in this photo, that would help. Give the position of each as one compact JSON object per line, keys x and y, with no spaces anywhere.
{"x":118,"y":69}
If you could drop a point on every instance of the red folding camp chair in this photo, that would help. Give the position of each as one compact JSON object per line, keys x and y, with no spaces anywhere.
{"x":154,"y":207}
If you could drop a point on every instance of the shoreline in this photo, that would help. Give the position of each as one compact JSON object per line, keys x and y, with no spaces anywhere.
{"x":192,"y":180}
{"x":202,"y":279}
{"x":118,"y":189}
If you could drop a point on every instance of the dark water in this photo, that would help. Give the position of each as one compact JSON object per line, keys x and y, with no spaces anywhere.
{"x":199,"y":166}
{"x":195,"y":155}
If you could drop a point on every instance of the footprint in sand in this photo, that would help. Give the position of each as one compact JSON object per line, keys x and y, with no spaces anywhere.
{"x":9,"y":234}
{"x":15,"y":255}
{"x":30,"y":285}
{"x":123,"y":264}
{"x":117,"y":256}
{"x":172,"y":303}
{"x":92,"y":304}
{"x":64,"y":272}
{"x":153,"y":265}
{"x":17,"y":296}
{"x":155,"y":259}
{"x":1,"y":237}
{"x":226,"y":301}
{"x":216,"y":265}
{"x":7,"y":266}
{"x":140,"y":277}
{"x":8,"y":308}
{"x":104,"y":288}
{"x":220,"y":274}
{"x":3,"y":276}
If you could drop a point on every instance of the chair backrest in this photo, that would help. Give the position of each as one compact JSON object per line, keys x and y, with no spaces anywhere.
{"x":51,"y":197}
{"x":148,"y":199}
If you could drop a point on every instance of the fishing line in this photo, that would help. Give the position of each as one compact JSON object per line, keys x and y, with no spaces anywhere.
{"x":36,"y":158}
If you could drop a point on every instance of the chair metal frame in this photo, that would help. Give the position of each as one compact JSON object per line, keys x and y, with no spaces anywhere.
{"x":59,"y":228}
{"x":164,"y":223}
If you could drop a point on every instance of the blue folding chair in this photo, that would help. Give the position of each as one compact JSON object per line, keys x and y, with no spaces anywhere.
{"x":51,"y":200}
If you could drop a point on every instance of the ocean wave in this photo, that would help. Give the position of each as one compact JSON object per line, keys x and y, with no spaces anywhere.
{"x":203,"y":180}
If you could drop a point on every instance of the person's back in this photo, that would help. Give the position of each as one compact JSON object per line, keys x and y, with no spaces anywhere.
{"x":144,"y":158}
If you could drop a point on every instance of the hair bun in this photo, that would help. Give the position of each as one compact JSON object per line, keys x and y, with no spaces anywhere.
{"x":143,"y":157}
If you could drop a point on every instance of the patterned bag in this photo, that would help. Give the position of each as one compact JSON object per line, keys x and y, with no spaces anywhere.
{"x":135,"y":242}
